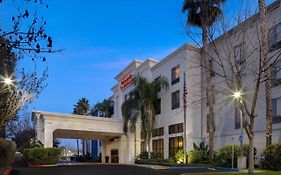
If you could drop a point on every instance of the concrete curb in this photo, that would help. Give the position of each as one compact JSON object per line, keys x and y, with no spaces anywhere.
{"x":205,"y":167}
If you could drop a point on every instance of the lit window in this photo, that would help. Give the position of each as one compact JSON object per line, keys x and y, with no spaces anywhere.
{"x":177,"y":128}
{"x":175,"y":74}
{"x":158,"y":132}
{"x":158,"y":148}
{"x":175,"y":144}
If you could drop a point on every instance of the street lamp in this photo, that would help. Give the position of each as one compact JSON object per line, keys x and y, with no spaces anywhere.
{"x":238,"y":96}
{"x":8,"y":81}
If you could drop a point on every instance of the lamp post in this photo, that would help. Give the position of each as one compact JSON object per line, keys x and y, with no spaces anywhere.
{"x":238,"y":96}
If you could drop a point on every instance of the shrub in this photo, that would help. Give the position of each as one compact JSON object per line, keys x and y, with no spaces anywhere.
{"x":142,"y":155}
{"x":7,"y":152}
{"x":198,"y":156}
{"x":41,"y":156}
{"x":224,"y":156}
{"x":179,"y":157}
{"x":272,"y":157}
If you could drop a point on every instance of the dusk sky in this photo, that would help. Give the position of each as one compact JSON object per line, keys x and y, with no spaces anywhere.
{"x":100,"y":38}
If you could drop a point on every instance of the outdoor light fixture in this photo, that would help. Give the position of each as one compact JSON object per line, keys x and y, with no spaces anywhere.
{"x":7,"y":81}
{"x":237,"y":95}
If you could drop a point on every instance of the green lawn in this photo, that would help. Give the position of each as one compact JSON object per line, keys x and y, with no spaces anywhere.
{"x":258,"y":172}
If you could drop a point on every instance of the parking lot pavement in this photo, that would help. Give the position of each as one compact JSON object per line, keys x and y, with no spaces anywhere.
{"x":100,"y":169}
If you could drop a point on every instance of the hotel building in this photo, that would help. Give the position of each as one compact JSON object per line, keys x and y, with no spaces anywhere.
{"x":167,"y":136}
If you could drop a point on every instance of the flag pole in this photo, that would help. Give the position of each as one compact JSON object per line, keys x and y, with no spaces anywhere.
{"x":184,"y":116}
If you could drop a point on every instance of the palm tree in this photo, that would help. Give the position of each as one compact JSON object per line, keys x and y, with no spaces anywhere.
{"x":105,"y":107}
{"x":268,"y":86}
{"x":203,"y":14}
{"x":141,"y":102}
{"x":81,"y":108}
{"x":265,"y":58}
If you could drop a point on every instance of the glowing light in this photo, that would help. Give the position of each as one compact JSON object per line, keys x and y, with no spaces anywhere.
{"x":237,"y":95}
{"x":8,"y":81}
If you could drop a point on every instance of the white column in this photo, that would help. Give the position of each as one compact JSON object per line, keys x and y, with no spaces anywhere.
{"x":103,"y":151}
{"x":48,"y":138}
{"x":138,"y":139}
{"x":123,"y":152}
{"x":131,"y":148}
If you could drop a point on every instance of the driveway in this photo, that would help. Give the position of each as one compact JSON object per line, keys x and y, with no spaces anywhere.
{"x":100,"y":169}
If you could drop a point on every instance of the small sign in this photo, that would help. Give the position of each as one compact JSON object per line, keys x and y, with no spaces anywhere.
{"x":241,"y":139}
{"x":126,"y":81}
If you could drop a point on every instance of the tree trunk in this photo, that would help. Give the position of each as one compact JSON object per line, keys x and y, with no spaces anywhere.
{"x":251,"y":167}
{"x":265,"y":59}
{"x":77,"y":142}
{"x":150,"y":126}
{"x":210,"y":95}
{"x":149,"y":149}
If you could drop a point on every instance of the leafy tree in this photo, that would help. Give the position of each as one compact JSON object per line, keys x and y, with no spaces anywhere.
{"x":142,"y":102}
{"x":23,"y":39}
{"x":203,"y":14}
{"x":21,"y":131}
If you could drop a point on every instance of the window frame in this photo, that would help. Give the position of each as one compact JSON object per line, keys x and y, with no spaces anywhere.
{"x":175,"y":80}
{"x":175,"y":144}
{"x":158,"y":147}
{"x":276,"y":119}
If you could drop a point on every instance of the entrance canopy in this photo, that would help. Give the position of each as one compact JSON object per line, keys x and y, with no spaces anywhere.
{"x":51,"y":125}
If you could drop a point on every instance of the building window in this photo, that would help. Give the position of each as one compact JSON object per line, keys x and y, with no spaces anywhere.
{"x":175,"y":144}
{"x":276,"y":74}
{"x":175,"y":100}
{"x":156,"y":79}
{"x":237,"y":118}
{"x":158,"y":106}
{"x":177,"y":128}
{"x":175,"y":75}
{"x":158,"y":132}
{"x":276,"y":110}
{"x":158,"y":148}
{"x":274,"y":37}
{"x":208,"y":124}
{"x":238,"y":54}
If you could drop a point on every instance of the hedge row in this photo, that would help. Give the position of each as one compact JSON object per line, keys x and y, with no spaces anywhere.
{"x":41,"y":156}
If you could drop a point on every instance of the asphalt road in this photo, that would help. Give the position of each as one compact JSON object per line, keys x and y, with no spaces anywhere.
{"x":99,"y":169}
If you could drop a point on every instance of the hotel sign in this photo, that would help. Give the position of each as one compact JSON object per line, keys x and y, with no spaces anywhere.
{"x":126,"y":81}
